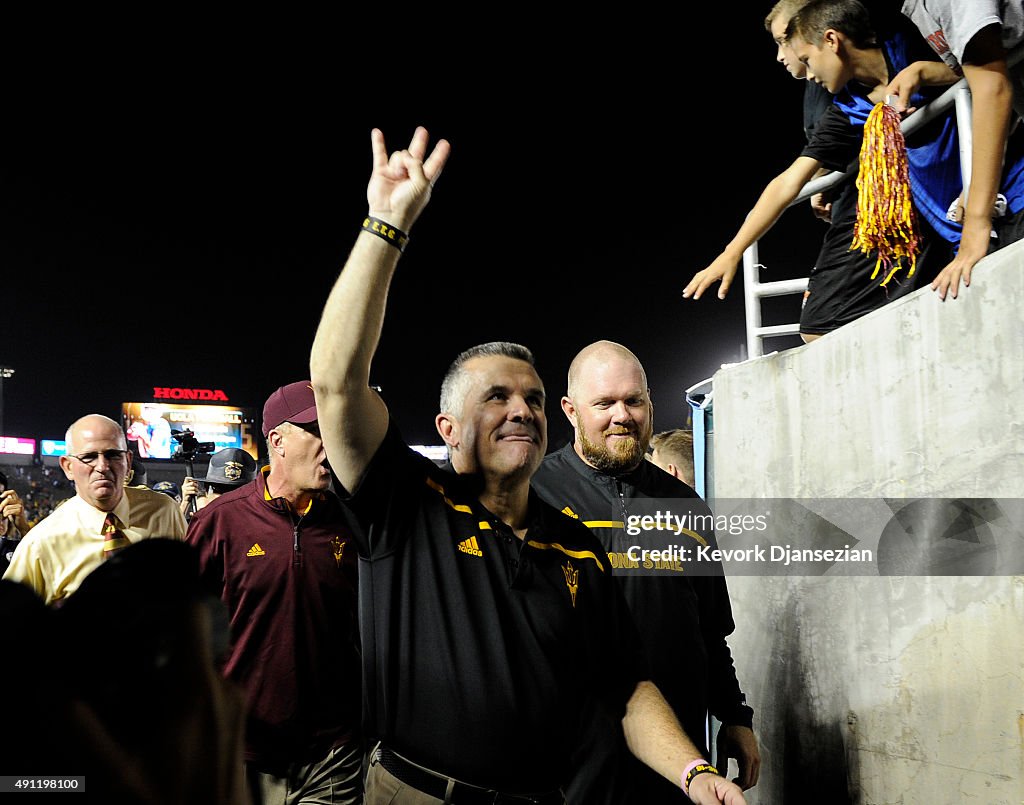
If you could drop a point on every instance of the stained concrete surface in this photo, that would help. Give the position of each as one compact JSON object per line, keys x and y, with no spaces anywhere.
{"x":885,"y":689}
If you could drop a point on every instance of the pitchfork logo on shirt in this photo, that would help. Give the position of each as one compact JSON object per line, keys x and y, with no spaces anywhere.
{"x":572,"y":576}
{"x":338,"y":547}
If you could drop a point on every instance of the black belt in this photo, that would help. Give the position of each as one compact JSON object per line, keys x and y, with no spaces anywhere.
{"x":437,"y":785}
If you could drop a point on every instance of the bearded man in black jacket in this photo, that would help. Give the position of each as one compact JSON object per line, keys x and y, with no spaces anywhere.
{"x":683,"y":613}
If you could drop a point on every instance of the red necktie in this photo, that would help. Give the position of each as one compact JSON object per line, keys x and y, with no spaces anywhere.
{"x":113,"y":537}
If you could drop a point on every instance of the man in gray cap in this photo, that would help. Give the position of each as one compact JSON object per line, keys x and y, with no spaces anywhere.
{"x":229,"y":469}
{"x":276,"y":552}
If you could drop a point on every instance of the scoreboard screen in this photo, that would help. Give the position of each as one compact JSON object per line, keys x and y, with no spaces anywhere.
{"x":150,"y":426}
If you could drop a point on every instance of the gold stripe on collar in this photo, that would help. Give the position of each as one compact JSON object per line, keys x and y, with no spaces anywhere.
{"x":543,"y":546}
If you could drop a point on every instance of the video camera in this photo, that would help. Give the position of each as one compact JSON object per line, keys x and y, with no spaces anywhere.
{"x":190,"y":447}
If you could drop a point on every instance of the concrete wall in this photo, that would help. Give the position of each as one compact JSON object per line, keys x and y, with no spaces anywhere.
{"x":894,"y":689}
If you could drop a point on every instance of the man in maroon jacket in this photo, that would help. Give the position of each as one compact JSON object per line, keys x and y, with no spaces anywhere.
{"x":276,"y":551}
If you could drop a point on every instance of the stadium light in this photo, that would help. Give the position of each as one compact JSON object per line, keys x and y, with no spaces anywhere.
{"x":5,"y":372}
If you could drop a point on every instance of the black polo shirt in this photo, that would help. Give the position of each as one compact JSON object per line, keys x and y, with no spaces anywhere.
{"x":684,"y":618}
{"x":479,"y":648}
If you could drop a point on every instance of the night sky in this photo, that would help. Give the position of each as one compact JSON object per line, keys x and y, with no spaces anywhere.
{"x":142,"y":205}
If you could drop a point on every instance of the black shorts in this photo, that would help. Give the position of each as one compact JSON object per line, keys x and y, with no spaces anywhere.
{"x":840,"y":288}
{"x":1009,"y":229}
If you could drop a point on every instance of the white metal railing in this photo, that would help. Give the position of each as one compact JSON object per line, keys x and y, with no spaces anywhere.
{"x":754,"y":290}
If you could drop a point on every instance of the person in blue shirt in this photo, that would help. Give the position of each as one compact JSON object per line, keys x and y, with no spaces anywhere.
{"x":837,"y":43}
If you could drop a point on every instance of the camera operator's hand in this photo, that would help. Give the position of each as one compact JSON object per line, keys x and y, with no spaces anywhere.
{"x":190,"y":488}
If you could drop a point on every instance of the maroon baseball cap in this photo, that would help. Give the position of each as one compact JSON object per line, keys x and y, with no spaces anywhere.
{"x":291,"y":403}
